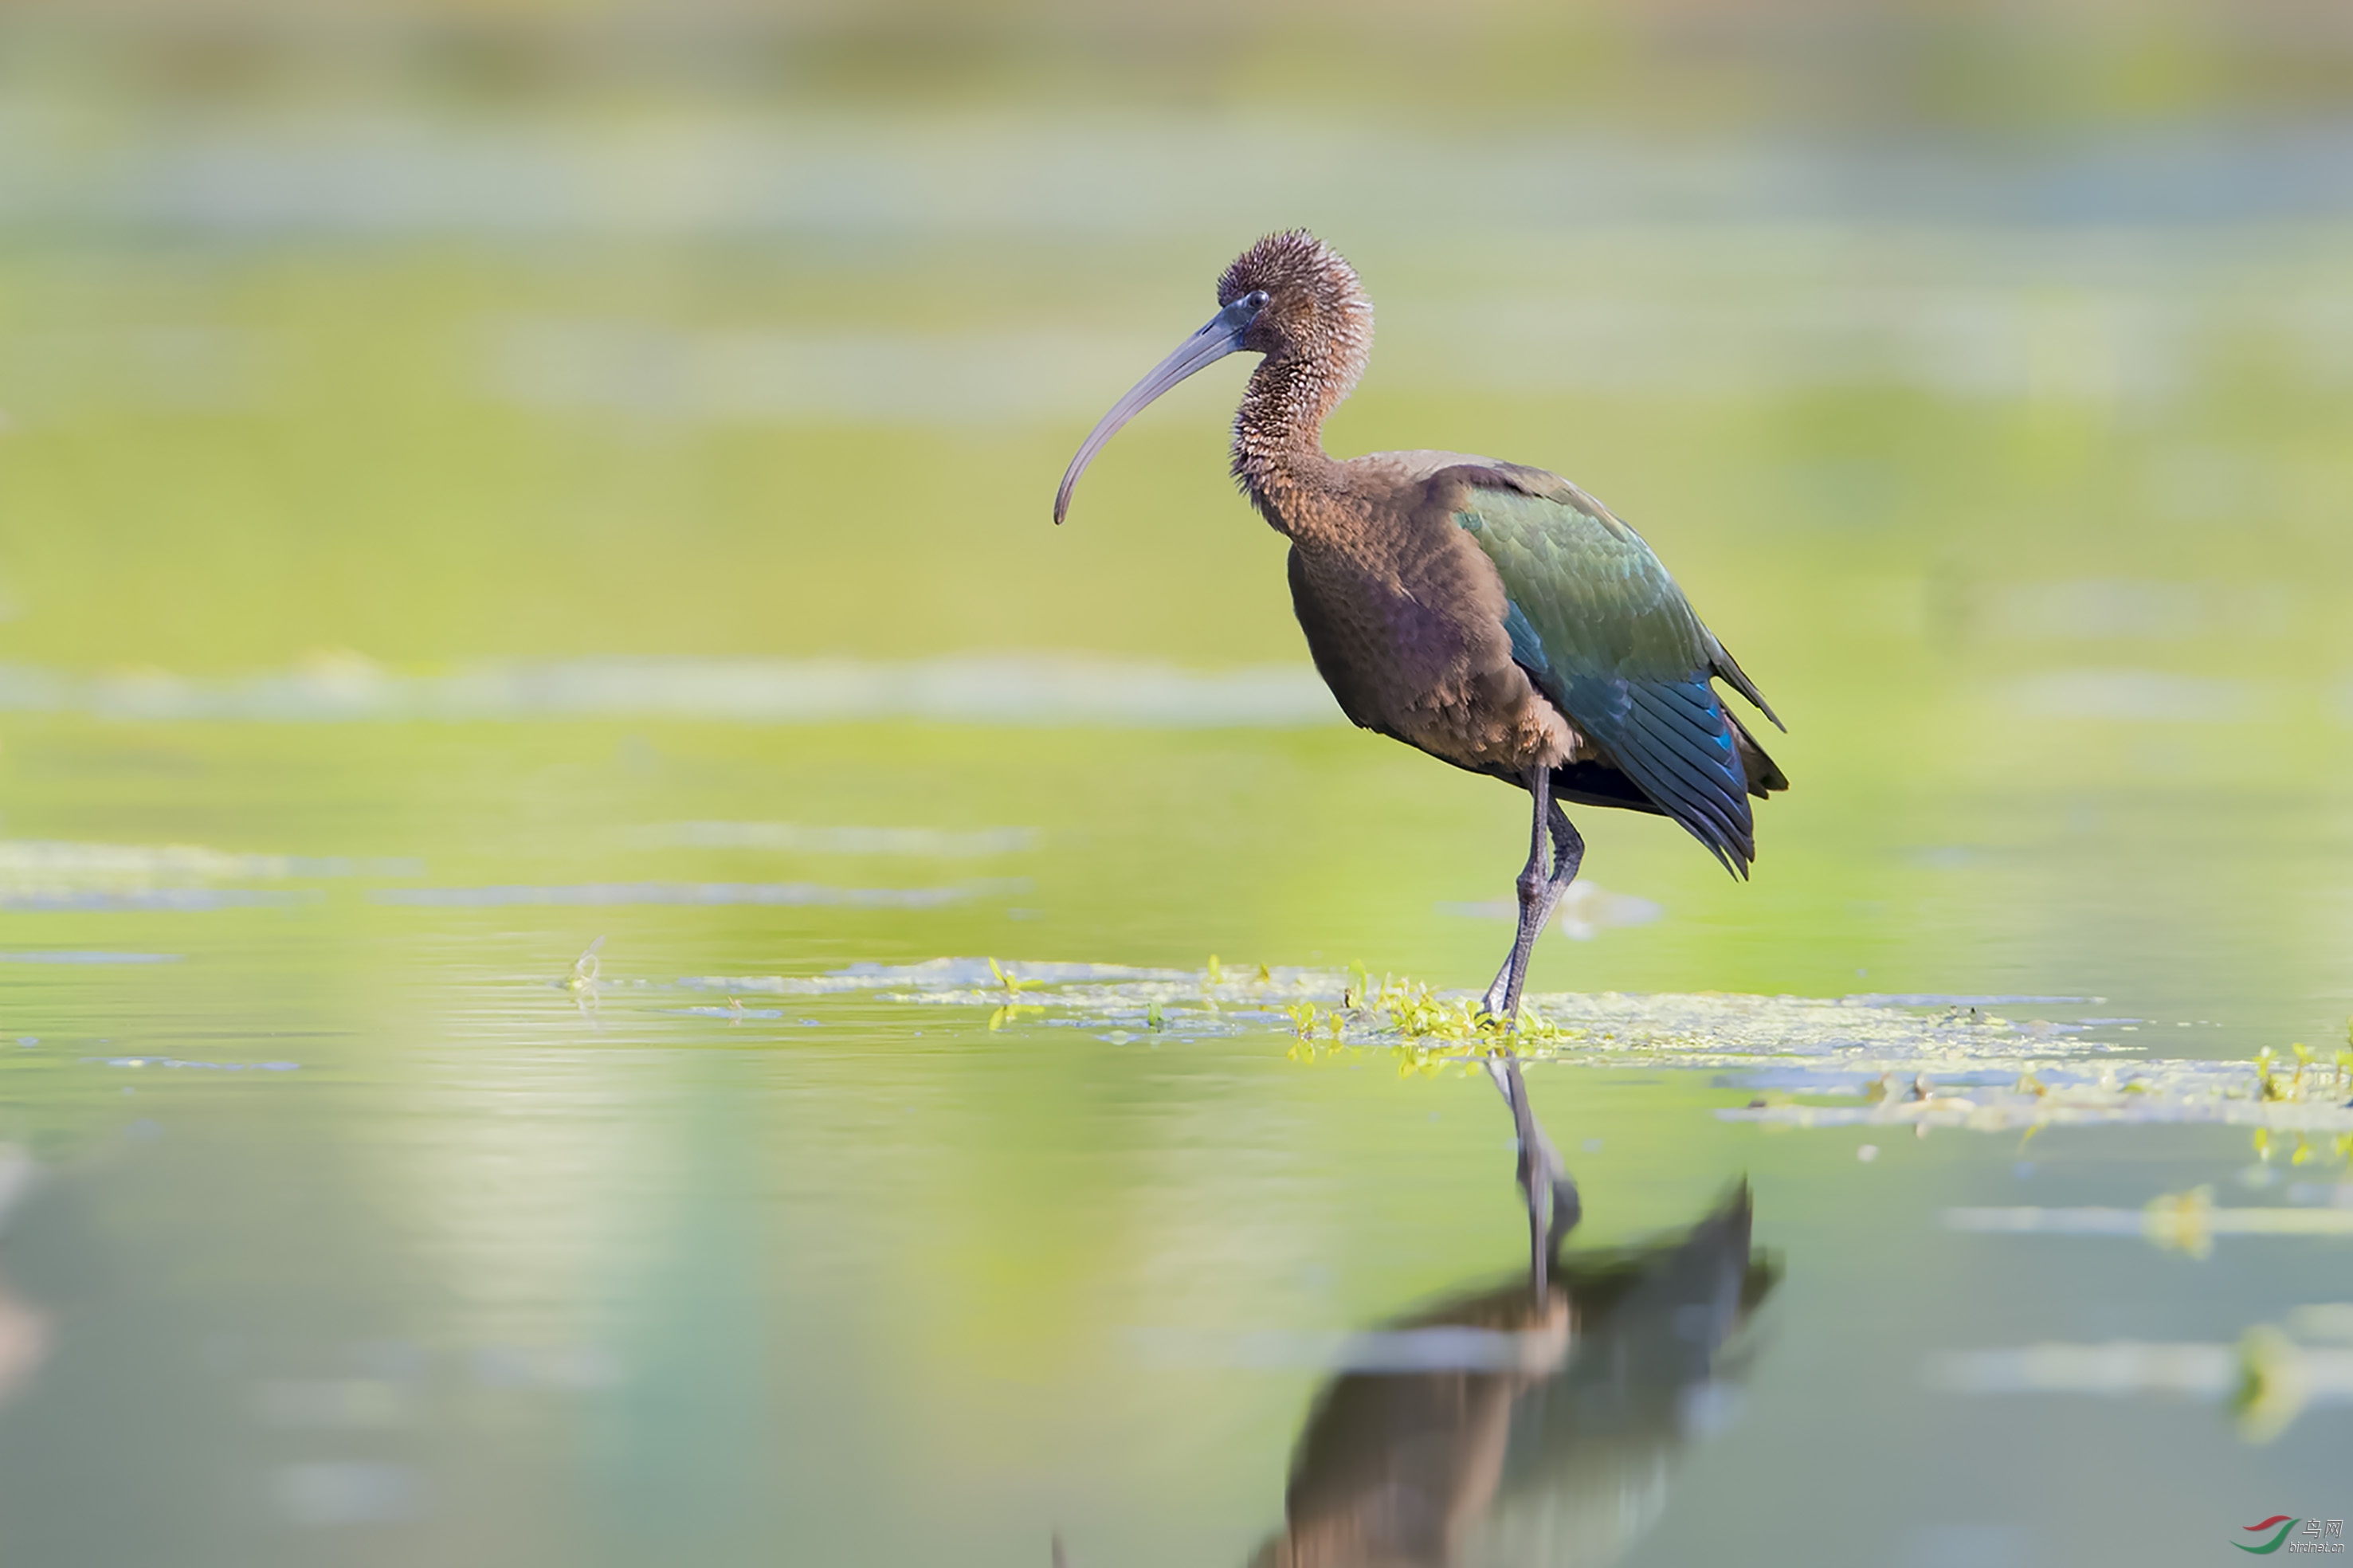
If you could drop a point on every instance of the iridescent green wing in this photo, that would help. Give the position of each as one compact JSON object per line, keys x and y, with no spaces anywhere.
{"x":1597,"y":621}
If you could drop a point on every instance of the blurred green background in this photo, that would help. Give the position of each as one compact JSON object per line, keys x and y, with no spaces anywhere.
{"x":1983,"y":376}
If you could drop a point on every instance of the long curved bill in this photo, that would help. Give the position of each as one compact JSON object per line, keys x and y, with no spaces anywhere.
{"x":1220,"y":336}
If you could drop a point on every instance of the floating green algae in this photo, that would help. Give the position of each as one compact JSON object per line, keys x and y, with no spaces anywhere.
{"x":1809,"y":1062}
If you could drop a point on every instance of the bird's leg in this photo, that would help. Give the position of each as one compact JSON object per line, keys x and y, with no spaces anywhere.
{"x":1502,"y":998}
{"x":1567,"y":1207}
{"x":1539,"y":894}
{"x":1543,"y":1178}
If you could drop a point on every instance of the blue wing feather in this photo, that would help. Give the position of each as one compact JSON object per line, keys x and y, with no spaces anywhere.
{"x":1527,"y":647}
{"x":1672,"y":752}
{"x":1605,"y":632}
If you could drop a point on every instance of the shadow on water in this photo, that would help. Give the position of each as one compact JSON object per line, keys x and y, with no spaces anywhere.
{"x":1496,"y":1428}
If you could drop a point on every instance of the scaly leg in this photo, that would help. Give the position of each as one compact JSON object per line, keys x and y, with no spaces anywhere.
{"x":1539,"y":894}
{"x":1543,"y":1178}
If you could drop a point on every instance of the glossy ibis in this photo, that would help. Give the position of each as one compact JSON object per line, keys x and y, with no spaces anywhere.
{"x":1494,"y":615}
{"x":1490,"y":1428}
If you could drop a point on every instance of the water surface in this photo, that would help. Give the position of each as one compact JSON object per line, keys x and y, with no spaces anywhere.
{"x":360,"y":1216}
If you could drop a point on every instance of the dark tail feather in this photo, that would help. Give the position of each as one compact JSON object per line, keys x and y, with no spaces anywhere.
{"x":1729,"y":668}
{"x":1764,"y":775}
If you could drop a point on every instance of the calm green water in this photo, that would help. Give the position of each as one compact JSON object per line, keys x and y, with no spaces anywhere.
{"x":483,"y":1272}
{"x":391,"y":622}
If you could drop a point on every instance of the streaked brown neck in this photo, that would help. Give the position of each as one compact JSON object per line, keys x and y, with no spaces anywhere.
{"x":1279,"y":457}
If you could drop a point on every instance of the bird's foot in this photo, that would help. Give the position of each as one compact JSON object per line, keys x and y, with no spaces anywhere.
{"x":1492,"y":1005}
{"x":1554,"y":1205}
{"x":1567,"y":1208}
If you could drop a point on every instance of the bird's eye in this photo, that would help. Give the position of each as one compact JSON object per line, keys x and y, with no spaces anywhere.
{"x":1256,"y":298}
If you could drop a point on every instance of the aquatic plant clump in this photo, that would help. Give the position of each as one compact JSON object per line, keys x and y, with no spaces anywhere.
{"x":1806,"y":1062}
{"x":2309,"y":1101}
{"x":1353,"y":1006}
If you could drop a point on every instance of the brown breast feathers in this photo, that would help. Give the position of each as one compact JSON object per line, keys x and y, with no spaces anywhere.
{"x":1404,"y":616}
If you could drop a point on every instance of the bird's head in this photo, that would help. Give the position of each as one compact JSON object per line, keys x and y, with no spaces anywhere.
{"x":1290,"y":298}
{"x":1313,"y":307}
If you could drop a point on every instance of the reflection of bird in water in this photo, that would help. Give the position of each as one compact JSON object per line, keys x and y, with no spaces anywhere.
{"x":1494,"y":1429}
{"x":24,"y":1328}
{"x":1494,"y":615}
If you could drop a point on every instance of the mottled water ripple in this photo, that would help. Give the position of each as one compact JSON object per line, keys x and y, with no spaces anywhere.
{"x":171,"y":900}
{"x":1030,"y":689}
{"x":85,"y":955}
{"x":616,"y":894}
{"x":182,"y":1063}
